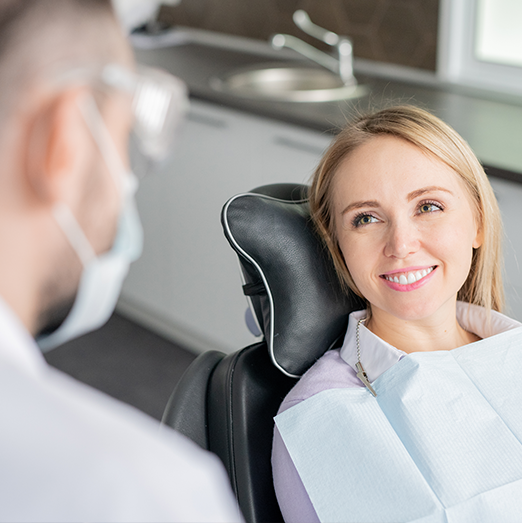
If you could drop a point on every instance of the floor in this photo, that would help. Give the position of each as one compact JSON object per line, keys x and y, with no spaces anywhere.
{"x":127,"y":362}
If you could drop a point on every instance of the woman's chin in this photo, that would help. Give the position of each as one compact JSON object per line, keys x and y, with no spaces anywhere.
{"x":411,"y":311}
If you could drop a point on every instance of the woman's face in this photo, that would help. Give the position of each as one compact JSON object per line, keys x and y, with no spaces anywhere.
{"x":405,"y":226}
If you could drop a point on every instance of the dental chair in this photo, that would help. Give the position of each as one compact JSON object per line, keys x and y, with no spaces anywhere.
{"x":226,"y":403}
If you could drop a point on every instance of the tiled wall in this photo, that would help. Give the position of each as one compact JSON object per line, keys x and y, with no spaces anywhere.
{"x":397,"y":31}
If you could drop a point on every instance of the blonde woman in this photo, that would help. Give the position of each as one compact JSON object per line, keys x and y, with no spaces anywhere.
{"x":417,"y":416}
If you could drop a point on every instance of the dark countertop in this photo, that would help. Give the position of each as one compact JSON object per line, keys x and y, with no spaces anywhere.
{"x":491,"y":123}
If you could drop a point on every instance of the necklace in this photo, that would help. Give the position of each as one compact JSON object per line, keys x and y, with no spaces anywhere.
{"x":361,"y":373}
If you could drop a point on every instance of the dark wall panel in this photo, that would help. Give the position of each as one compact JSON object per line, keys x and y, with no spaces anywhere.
{"x":396,"y":31}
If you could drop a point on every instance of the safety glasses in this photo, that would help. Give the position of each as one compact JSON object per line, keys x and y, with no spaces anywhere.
{"x":159,"y":102}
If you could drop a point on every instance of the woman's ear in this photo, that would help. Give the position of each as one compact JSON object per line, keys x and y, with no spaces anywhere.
{"x":479,"y":237}
{"x":57,"y":146}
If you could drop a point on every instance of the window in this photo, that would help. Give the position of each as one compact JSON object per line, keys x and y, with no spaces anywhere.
{"x":480,"y":44}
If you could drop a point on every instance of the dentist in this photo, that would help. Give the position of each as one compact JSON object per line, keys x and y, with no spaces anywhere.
{"x":69,"y":230}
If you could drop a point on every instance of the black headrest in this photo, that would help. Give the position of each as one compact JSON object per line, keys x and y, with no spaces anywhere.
{"x":289,"y":275}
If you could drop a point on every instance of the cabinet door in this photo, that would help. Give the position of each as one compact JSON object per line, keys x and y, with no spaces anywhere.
{"x":186,"y":285}
{"x":509,"y":196}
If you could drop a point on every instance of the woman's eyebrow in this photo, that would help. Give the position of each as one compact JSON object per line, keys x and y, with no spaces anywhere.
{"x":358,"y":205}
{"x":431,"y":188}
{"x":411,"y":196}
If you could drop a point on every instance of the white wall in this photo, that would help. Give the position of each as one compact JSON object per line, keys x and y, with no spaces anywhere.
{"x":187,"y":284}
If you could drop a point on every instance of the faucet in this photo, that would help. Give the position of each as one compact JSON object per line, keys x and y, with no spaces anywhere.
{"x":342,"y":65}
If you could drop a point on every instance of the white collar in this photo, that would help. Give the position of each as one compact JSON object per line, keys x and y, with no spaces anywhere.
{"x":16,"y":344}
{"x":377,"y":356}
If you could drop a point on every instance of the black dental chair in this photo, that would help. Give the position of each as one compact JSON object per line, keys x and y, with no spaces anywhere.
{"x":226,"y":403}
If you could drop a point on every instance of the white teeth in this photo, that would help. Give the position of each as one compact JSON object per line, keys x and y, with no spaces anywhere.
{"x":410,"y":277}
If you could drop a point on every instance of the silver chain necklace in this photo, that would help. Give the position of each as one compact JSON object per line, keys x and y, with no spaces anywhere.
{"x":361,"y":373}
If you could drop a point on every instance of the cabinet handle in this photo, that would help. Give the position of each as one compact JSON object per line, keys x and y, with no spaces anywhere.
{"x":298,"y":145}
{"x":204,"y":119}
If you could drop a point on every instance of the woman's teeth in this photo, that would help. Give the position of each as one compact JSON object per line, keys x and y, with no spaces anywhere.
{"x":407,"y":278}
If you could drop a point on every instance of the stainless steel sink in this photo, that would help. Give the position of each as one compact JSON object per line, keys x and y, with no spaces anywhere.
{"x":290,"y":84}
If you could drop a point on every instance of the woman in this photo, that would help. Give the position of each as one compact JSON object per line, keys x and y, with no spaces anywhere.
{"x":416,"y":416}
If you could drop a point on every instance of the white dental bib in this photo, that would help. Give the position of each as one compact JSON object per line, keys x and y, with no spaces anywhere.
{"x":441,"y":442}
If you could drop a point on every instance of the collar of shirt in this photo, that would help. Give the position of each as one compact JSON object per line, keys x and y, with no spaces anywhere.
{"x":377,"y":356}
{"x":16,"y":344}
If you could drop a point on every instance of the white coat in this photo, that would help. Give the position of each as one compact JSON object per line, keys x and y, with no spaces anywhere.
{"x":71,"y":453}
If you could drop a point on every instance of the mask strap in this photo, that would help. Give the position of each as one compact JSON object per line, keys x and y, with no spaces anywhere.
{"x":103,"y":139}
{"x":72,"y":230}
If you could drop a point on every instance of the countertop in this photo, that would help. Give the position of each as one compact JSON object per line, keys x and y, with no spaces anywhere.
{"x":491,"y":123}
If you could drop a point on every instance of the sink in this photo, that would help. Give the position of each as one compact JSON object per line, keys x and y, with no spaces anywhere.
{"x":289,"y":84}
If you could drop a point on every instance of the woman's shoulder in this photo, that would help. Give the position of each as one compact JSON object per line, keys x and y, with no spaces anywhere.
{"x":328,"y":372}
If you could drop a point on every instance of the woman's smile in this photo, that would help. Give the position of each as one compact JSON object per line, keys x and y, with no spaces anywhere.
{"x":405,"y":280}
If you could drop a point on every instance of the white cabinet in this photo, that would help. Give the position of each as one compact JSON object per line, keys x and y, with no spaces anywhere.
{"x":187,"y":285}
{"x":509,"y":196}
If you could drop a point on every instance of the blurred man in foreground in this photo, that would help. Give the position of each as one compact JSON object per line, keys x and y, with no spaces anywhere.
{"x":68,"y":231}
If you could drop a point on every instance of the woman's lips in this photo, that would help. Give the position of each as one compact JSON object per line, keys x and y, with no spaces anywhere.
{"x":410,"y":279}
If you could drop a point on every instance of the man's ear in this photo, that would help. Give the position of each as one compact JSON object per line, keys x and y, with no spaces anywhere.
{"x":57,"y":146}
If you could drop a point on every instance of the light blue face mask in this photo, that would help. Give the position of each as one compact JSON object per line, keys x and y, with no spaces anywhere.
{"x":103,"y":274}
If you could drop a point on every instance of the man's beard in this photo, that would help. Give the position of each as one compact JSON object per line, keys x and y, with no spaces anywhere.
{"x":53,"y":316}
{"x":58,"y":293}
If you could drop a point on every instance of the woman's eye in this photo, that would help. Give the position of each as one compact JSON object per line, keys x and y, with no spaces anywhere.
{"x":364,"y":219}
{"x":429,"y":207}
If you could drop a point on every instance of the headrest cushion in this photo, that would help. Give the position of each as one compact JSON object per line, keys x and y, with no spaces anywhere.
{"x":295,"y":293}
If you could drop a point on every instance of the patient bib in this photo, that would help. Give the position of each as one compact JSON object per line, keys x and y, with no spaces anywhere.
{"x":441,"y":442}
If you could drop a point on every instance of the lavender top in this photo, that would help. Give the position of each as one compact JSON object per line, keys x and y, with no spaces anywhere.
{"x":336,"y":370}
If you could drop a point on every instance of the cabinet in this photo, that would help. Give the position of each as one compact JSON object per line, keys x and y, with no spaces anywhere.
{"x":186,"y":285}
{"x":509,"y":196}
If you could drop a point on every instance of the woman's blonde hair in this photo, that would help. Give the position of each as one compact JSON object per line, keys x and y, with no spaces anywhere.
{"x":484,"y":283}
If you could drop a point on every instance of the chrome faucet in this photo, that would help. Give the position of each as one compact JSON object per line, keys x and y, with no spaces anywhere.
{"x":341,"y":65}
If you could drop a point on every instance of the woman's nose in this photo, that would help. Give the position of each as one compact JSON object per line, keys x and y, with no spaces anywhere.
{"x":402,"y":240}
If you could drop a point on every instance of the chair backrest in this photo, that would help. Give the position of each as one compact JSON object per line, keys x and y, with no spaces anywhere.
{"x":186,"y":410}
{"x":227,"y":403}
{"x":244,"y":394}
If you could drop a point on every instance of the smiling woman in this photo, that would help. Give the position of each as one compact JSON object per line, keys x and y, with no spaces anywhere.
{"x":409,"y":213}
{"x":434,"y":149}
{"x":413,"y":227}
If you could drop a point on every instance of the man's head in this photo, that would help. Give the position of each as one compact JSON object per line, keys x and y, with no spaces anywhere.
{"x":48,"y":153}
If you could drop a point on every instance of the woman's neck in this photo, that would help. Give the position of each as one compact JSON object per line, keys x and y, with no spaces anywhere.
{"x":441,"y":331}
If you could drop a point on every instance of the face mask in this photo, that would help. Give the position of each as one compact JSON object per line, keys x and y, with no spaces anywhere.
{"x":102,"y":275}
